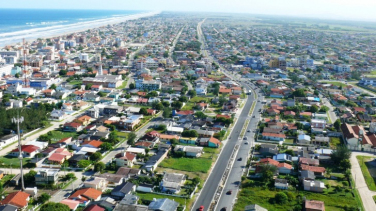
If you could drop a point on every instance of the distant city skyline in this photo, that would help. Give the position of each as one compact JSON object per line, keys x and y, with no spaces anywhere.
{"x":325,"y":9}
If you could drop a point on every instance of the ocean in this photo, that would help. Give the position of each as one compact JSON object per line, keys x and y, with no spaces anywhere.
{"x":16,"y":24}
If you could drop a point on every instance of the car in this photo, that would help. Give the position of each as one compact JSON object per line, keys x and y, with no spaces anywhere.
{"x":229,"y":192}
{"x":253,"y":116}
{"x":246,"y":142}
{"x":245,"y":138}
{"x":201,"y":208}
{"x":248,"y":130}
{"x":224,"y":209}
{"x":240,"y":159}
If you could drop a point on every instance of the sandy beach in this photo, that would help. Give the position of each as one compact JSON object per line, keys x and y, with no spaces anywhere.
{"x":30,"y":35}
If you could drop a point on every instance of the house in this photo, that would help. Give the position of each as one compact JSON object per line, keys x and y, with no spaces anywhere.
{"x":155,"y":160}
{"x":308,"y":161}
{"x":190,"y":151}
{"x":282,"y":158}
{"x":313,"y":205}
{"x":27,"y":151}
{"x":254,"y":207}
{"x":188,"y":140}
{"x":92,"y":144}
{"x":73,"y":161}
{"x":65,"y":141}
{"x":164,"y":204}
{"x":57,"y":115}
{"x":304,"y":139}
{"x":274,"y":136}
{"x":268,"y":150}
{"x":284,"y":168}
{"x":59,"y":156}
{"x":113,"y":179}
{"x":121,"y":190}
{"x":147,"y":188}
{"x":48,"y":176}
{"x":313,"y":185}
{"x":8,"y":207}
{"x":8,"y":139}
{"x":210,"y":142}
{"x":125,"y":159}
{"x":167,"y":138}
{"x":72,"y":204}
{"x":318,"y":123}
{"x":18,"y":199}
{"x":128,"y":172}
{"x":72,"y":127}
{"x":172,"y":182}
{"x":94,"y":207}
{"x":281,"y":184}
{"x":86,"y":194}
{"x":352,"y":134}
{"x":97,"y":183}
{"x":307,"y":175}
{"x":84,"y":120}
{"x":318,"y":171}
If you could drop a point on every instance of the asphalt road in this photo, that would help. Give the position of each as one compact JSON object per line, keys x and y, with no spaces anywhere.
{"x":228,"y":200}
{"x":215,"y":176}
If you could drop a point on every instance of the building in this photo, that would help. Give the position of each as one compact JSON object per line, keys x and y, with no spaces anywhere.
{"x":151,"y":85}
{"x":190,"y":151}
{"x":18,"y":199}
{"x":8,"y":139}
{"x":86,"y":195}
{"x":368,"y":81}
{"x":163,"y":204}
{"x":274,"y":136}
{"x":172,"y":182}
{"x":313,"y":185}
{"x":125,"y":159}
{"x":28,"y":151}
{"x":121,"y":190}
{"x":96,"y":183}
{"x":281,"y":184}
{"x":108,"y":81}
{"x":48,"y":176}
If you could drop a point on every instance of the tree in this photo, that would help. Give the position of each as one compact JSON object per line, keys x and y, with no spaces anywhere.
{"x":165,"y":54}
{"x":53,"y":86}
{"x":200,"y":115}
{"x":341,"y":153}
{"x":167,"y":113}
{"x":159,"y":106}
{"x":99,"y":167}
{"x":289,"y":152}
{"x":106,"y":146}
{"x":88,"y":86}
{"x":299,"y":93}
{"x":161,"y":127}
{"x":101,"y":94}
{"x":176,"y":104}
{"x":183,"y":99}
{"x":314,"y":108}
{"x":337,"y":124}
{"x":324,"y":109}
{"x":17,"y":75}
{"x":132,"y":86}
{"x":189,"y":133}
{"x":143,"y":111}
{"x":192,"y":93}
{"x":131,"y":138}
{"x":281,"y":198}
{"x":43,"y":198}
{"x":83,"y":163}
{"x":345,"y":164}
{"x":165,"y":104}
{"x":54,"y":206}
{"x":63,"y":72}
{"x":30,"y":177}
{"x":267,"y":172}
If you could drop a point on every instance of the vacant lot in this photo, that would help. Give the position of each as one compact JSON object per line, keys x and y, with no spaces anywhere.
{"x":151,"y":196}
{"x":368,"y":166}
{"x":188,"y":164}
{"x":334,"y":201}
{"x":13,"y":162}
{"x":58,"y":135}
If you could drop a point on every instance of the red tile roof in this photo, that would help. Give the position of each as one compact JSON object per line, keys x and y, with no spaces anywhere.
{"x":312,"y":168}
{"x":18,"y":199}
{"x":279,"y":135}
{"x":88,"y":193}
{"x":269,"y":161}
{"x":27,"y":148}
{"x":93,"y":143}
{"x":57,"y":157}
{"x":94,"y":208}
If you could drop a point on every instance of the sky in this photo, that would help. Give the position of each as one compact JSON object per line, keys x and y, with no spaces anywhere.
{"x":325,"y":9}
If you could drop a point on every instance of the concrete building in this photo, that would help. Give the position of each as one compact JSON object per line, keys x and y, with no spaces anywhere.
{"x":142,"y":84}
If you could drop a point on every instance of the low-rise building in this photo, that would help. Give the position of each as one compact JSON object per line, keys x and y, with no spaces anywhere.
{"x":48,"y":176}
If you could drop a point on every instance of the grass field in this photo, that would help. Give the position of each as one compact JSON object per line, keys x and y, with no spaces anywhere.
{"x":151,"y":196}
{"x":367,"y":176}
{"x":263,"y":196}
{"x":188,"y":106}
{"x":75,"y":82}
{"x":13,"y":162}
{"x":335,"y":83}
{"x":198,"y":99}
{"x":187,"y":164}
{"x":58,"y":135}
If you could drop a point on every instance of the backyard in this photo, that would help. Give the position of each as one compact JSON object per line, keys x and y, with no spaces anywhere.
{"x":56,"y":135}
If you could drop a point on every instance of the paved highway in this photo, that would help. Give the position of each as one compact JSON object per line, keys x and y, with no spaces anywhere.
{"x":214,"y":179}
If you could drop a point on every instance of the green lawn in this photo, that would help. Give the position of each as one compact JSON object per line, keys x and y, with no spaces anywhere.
{"x":151,"y":196}
{"x":374,"y":198}
{"x":373,"y":72}
{"x":58,"y":135}
{"x":334,"y":141}
{"x":122,"y":134}
{"x":13,"y":162}
{"x":340,"y":84}
{"x":187,"y":164}
{"x":367,"y":176}
{"x":188,"y":106}
{"x":75,"y":82}
{"x":198,"y":99}
{"x":6,"y":178}
{"x":263,"y":196}
{"x":289,"y":141}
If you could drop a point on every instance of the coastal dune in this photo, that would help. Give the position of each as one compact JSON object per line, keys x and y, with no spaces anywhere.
{"x":57,"y":30}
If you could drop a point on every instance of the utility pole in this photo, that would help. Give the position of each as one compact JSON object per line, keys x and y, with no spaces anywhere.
{"x":19,"y":120}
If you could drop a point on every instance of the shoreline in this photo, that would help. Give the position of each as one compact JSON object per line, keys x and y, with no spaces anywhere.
{"x":60,"y":30}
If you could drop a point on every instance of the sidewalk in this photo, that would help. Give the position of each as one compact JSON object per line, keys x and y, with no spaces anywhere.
{"x":360,"y":183}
